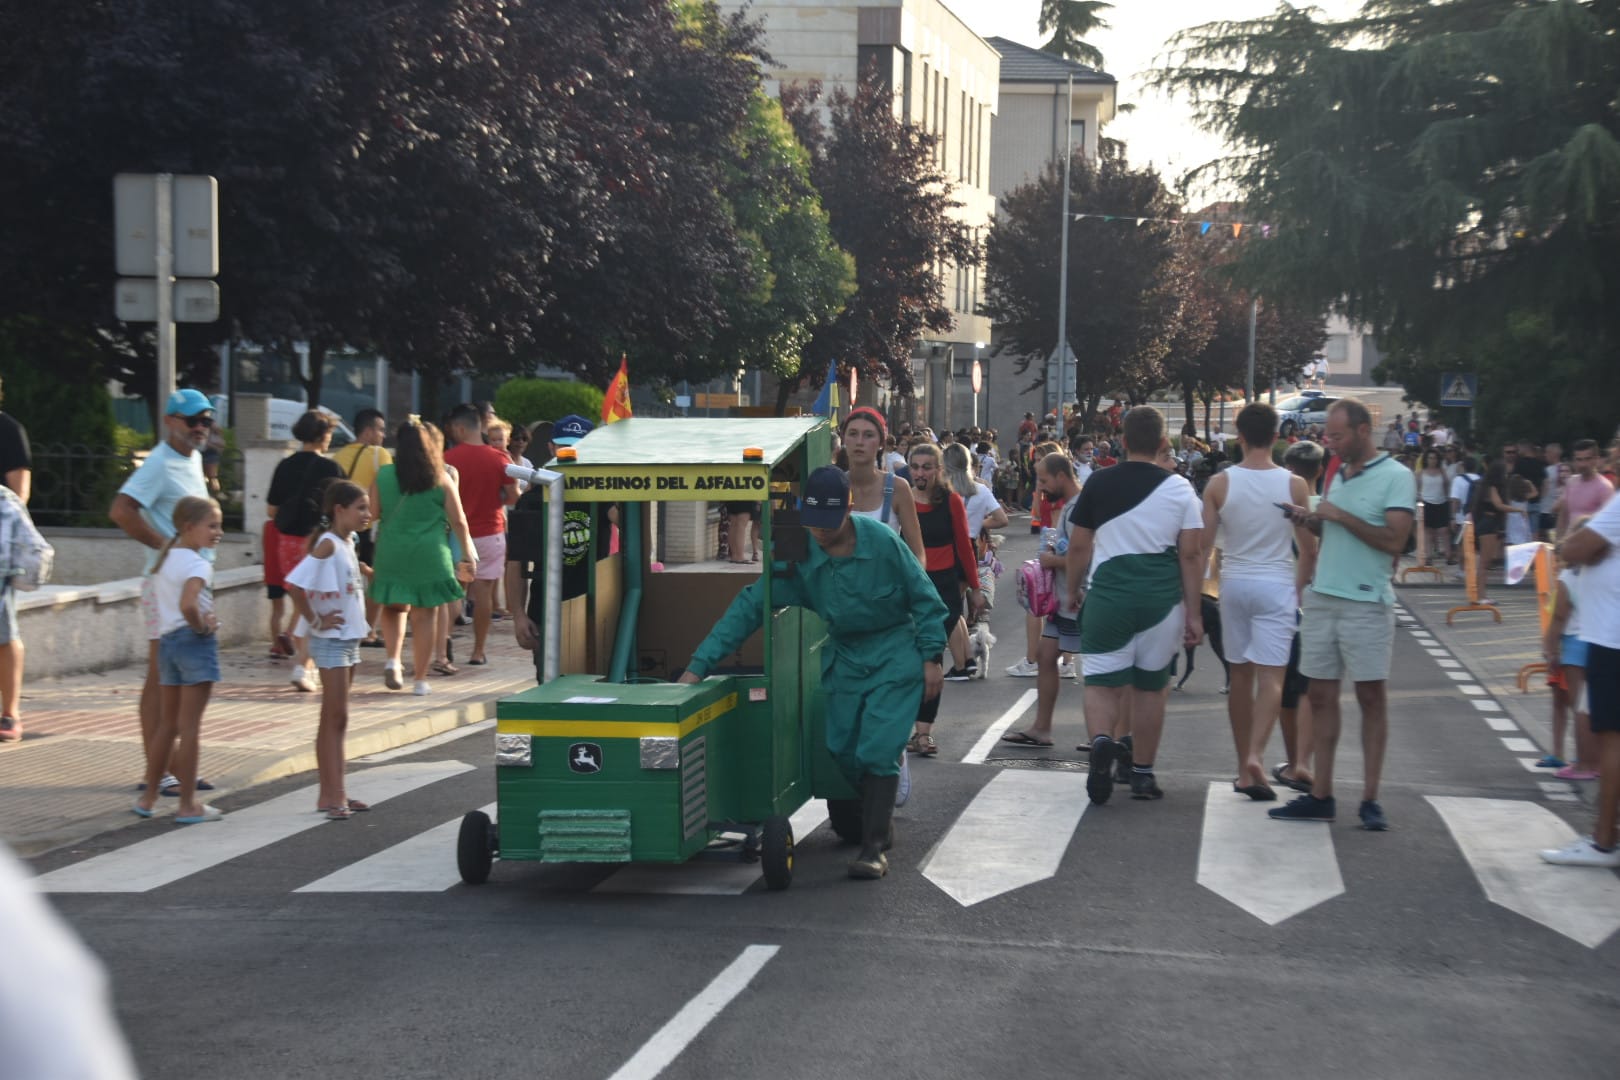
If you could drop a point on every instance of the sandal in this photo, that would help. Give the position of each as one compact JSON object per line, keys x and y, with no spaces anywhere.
{"x":926,"y":747}
{"x":445,"y":667}
{"x":337,"y":813}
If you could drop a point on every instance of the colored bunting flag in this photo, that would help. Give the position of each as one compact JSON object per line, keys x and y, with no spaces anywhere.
{"x":826,"y":403}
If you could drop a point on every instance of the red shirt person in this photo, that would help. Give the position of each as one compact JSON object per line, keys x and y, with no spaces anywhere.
{"x":485,"y":491}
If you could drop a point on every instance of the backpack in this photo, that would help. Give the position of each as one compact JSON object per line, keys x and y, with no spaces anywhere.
{"x":1037,"y":589}
{"x":25,"y":557}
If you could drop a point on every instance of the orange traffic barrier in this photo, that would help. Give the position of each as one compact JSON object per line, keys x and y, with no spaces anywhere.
{"x":1546,"y":600}
{"x":1422,"y":566}
{"x":1472,"y":570}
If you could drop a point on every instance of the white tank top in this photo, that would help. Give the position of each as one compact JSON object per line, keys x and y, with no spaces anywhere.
{"x":1256,"y":541}
{"x":884,"y":511}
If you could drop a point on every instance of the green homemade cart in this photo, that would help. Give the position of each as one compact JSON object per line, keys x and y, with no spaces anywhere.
{"x":613,"y":762}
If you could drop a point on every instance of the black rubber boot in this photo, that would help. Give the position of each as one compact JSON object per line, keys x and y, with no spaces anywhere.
{"x":877,"y":818}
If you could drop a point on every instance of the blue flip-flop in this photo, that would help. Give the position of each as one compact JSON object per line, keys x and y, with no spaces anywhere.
{"x":141,"y":811}
{"x":210,"y":813}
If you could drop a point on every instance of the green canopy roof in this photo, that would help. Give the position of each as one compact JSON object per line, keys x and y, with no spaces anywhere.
{"x":693,"y":440}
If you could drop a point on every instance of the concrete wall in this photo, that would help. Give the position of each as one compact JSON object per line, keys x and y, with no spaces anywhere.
{"x":1029,"y":130}
{"x":93,"y":556}
{"x":69,"y":630}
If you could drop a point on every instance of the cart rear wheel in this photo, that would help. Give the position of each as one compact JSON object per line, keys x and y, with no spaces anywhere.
{"x":475,"y":847}
{"x":776,"y":852}
{"x":845,"y":815}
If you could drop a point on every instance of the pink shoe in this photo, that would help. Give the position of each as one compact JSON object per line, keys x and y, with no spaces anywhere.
{"x":1571,"y":772}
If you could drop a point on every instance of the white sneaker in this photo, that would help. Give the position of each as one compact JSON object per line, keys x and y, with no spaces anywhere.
{"x":1583,"y":852}
{"x":393,"y":676}
{"x":421,"y":689}
{"x":1065,"y":669}
{"x":304,"y":679}
{"x":1024,"y":669}
{"x":903,"y":792}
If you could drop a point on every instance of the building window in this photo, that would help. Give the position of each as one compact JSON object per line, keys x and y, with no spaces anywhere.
{"x":1337,"y":349}
{"x":1077,"y":135}
{"x":962,"y":144}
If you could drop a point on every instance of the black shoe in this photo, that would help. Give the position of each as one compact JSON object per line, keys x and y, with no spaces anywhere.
{"x":957,"y":674}
{"x":1144,"y":786}
{"x":1372,"y":817}
{"x":1122,"y":761}
{"x":1305,"y":808}
{"x":1100,"y":780}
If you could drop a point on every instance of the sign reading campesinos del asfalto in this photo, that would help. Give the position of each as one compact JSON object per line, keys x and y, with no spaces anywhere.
{"x":666,"y":483}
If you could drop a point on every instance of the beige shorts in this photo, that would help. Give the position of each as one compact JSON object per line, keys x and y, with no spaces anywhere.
{"x":1341,"y":638}
{"x":491,"y":556}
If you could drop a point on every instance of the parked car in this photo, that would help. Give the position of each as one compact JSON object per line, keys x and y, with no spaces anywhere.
{"x":1303,"y":410}
{"x":284,"y":412}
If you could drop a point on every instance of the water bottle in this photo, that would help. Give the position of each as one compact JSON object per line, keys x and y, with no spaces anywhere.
{"x":1049,"y":539}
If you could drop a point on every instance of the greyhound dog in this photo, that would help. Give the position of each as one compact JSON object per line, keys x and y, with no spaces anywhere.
{"x":1210,"y":609}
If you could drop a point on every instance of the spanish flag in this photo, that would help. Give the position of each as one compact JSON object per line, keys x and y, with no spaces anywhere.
{"x":616,"y":403}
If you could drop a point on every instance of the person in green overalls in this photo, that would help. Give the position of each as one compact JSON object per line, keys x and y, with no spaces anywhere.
{"x":885,"y":623}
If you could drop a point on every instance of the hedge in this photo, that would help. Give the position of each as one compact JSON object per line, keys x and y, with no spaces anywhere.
{"x":525,"y":401}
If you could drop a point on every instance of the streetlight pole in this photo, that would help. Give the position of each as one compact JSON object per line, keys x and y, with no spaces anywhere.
{"x":1254,"y":311}
{"x":1063,"y":264}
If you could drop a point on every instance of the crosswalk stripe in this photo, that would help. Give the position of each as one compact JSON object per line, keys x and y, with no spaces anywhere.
{"x":1500,"y":839}
{"x":706,"y":877}
{"x":1012,"y":834}
{"x":183,"y":851}
{"x":1272,"y":869}
{"x":1499,"y":722}
{"x":1520,"y":745}
{"x":988,"y":740}
{"x":424,"y":863}
{"x":1486,"y":704}
{"x":1530,"y":764}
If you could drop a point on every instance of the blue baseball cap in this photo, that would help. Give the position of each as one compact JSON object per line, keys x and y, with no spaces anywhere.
{"x":826,"y":498}
{"x":570,"y":429}
{"x":187,"y":402}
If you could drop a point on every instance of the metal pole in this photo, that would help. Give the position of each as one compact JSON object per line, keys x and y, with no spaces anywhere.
{"x":551,"y":637}
{"x":1254,"y":311}
{"x":1063,"y":264}
{"x":165,"y":286}
{"x":976,"y":389}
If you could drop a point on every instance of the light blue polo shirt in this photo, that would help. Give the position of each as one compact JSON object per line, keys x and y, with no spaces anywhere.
{"x":1347,"y":567}
{"x":163,"y":479}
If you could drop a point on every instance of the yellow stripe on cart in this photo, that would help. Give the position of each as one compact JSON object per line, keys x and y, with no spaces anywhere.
{"x":612,"y":729}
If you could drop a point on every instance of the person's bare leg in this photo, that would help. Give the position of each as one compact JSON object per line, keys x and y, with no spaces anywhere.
{"x":1146,"y":724}
{"x":11,"y":678}
{"x":959,"y":644}
{"x":1267,"y":704}
{"x":1560,"y":719}
{"x":1585,"y":739}
{"x":1373,"y":698}
{"x":1240,"y":715}
{"x":1032,"y":637}
{"x":392,"y":620}
{"x":278,"y":620}
{"x":444,"y":623}
{"x":426,"y":643}
{"x":152,"y":710}
{"x":1325,"y":723}
{"x":483,"y":593}
{"x":192,"y":701}
{"x":1123,"y":718}
{"x":329,"y":737}
{"x":159,"y":744}
{"x":1047,"y":685}
{"x":1608,"y":801}
{"x":1103,"y":707}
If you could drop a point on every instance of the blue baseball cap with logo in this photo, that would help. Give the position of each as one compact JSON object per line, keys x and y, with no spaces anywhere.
{"x":188,"y":402}
{"x":570,"y":429}
{"x":826,"y":498}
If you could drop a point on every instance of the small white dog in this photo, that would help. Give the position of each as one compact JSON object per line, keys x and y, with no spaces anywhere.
{"x":981,"y":640}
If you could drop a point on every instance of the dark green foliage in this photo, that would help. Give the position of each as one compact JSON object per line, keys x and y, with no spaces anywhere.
{"x":524,"y":401}
{"x":1069,"y":22}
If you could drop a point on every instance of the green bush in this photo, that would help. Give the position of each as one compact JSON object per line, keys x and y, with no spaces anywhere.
{"x":524,"y":401}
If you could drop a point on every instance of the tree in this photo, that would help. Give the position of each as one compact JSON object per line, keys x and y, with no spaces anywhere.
{"x":1070,"y":22}
{"x":890,"y":207}
{"x":1391,"y":155}
{"x":1120,"y":315}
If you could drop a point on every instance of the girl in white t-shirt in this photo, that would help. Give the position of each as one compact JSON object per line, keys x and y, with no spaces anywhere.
{"x":328,"y":589}
{"x":188,"y":656}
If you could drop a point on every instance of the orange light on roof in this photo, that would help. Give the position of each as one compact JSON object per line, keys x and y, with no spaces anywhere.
{"x":753,"y":453}
{"x":567,"y":453}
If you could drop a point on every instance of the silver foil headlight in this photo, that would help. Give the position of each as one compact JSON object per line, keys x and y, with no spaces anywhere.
{"x":513,"y":750}
{"x":660,"y":752}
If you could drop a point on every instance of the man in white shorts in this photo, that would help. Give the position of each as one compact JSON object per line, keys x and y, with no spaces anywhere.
{"x":144,"y":509}
{"x":486,"y":492}
{"x":1348,"y":624}
{"x":1261,"y":583}
{"x":1136,"y":554}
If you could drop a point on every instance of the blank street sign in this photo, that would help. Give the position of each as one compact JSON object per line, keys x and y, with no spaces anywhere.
{"x":196,"y":225}
{"x":135,"y":300}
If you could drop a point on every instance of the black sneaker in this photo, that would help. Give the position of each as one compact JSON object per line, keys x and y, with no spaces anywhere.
{"x":1100,"y":780}
{"x":1122,"y":761}
{"x":1305,"y":808}
{"x":1372,"y":816}
{"x":1144,"y":786}
{"x":957,"y":674}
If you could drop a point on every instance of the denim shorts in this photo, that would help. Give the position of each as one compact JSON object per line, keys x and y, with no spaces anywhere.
{"x":1572,"y":651}
{"x":186,"y":658}
{"x":334,"y":652}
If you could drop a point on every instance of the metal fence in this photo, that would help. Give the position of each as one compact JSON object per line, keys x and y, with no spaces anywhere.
{"x":74,"y":484}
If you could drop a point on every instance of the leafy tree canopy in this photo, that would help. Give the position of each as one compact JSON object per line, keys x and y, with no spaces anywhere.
{"x":1070,"y":22}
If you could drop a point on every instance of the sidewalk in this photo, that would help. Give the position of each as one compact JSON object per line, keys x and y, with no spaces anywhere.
{"x":75,"y":770}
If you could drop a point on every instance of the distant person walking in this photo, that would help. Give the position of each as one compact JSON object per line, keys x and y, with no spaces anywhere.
{"x":486,"y":492}
{"x":188,"y":657}
{"x":1348,"y":625}
{"x":360,"y":461}
{"x":16,"y":472}
{"x":1588,"y":490}
{"x":144,"y":508}
{"x":294,"y":505}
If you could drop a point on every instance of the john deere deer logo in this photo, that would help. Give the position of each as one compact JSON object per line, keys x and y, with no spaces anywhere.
{"x":585,"y":757}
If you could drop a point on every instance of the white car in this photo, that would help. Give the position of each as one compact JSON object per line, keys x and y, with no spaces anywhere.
{"x":284,"y":413}
{"x":1297,"y":413}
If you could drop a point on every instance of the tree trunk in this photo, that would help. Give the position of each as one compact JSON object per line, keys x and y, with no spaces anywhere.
{"x":1207,"y":403}
{"x":784,"y":390}
{"x":317,"y":366}
{"x":1188,"y":407}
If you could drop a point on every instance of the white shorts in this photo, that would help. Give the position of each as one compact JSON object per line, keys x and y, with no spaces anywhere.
{"x":1258,"y":620}
{"x":1341,"y":638}
{"x":491,"y":556}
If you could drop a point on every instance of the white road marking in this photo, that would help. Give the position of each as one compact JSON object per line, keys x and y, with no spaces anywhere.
{"x":1272,"y":869}
{"x":1501,"y":723}
{"x":667,"y":1043}
{"x":1500,"y":839}
{"x":182,"y":851}
{"x":992,"y":735}
{"x":1520,"y":746}
{"x":1012,"y":834}
{"x":1437,"y":652}
{"x":1562,"y":796}
{"x":428,"y":743}
{"x":1470,"y":688}
{"x":1486,"y":705}
{"x":1448,"y":663}
{"x":1461,"y":676}
{"x":1556,"y":787}
{"x":1530,"y":764}
{"x":424,"y":863}
{"x":706,"y":877}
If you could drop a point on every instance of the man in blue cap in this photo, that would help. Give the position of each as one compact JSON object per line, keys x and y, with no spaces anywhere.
{"x":144,"y":509}
{"x":886,"y":625}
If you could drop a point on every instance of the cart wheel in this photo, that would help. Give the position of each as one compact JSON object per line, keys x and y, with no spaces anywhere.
{"x":845,"y":815}
{"x":776,"y":853}
{"x":475,"y":847}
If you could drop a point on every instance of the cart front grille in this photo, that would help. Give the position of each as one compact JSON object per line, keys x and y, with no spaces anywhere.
{"x":585,"y":835}
{"x":694,"y":787}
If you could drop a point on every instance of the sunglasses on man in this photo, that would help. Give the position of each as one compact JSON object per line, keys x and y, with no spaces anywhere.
{"x":198,"y":421}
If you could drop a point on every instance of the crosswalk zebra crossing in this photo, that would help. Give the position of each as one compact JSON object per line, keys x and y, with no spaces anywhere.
{"x":1014,"y":831}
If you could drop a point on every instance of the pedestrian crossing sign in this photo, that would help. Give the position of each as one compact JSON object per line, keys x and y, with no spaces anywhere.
{"x":1458,"y":390}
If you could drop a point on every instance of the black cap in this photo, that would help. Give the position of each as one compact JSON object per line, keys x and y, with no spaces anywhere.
{"x":826,"y":498}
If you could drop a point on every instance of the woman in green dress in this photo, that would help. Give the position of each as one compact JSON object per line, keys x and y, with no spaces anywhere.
{"x":417,"y":509}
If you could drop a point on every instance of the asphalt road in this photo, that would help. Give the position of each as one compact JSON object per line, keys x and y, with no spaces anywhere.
{"x":1119,"y":962}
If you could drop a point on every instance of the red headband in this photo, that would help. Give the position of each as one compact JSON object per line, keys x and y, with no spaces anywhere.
{"x":866,"y":412}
